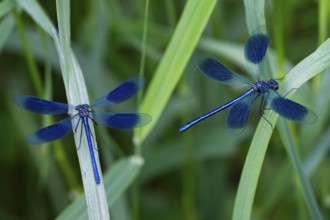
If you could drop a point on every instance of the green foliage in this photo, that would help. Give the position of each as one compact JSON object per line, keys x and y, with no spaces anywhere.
{"x":72,"y":50}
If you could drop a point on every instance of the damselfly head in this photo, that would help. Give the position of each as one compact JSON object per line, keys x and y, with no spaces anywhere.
{"x":83,"y":110}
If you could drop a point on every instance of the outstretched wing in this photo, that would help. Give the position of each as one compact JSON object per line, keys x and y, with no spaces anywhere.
{"x":121,"y":120}
{"x":290,"y":110}
{"x":40,"y":106}
{"x":51,"y":132}
{"x":255,"y":50}
{"x":217,"y":71}
{"x":238,"y":114}
{"x":121,"y":93}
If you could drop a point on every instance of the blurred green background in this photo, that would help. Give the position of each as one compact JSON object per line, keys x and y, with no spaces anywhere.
{"x":194,"y":175}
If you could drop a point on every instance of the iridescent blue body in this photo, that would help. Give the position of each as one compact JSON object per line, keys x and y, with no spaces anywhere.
{"x":237,"y":116}
{"x":84,"y":111}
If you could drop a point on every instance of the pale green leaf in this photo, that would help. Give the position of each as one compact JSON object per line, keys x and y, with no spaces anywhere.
{"x":177,"y":54}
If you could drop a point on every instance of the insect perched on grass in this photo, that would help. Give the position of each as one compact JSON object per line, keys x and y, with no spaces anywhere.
{"x":85,"y":113}
{"x":237,"y":116}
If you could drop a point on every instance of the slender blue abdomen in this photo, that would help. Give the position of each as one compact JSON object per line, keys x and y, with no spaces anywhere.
{"x":228,"y":104}
{"x":91,"y":150}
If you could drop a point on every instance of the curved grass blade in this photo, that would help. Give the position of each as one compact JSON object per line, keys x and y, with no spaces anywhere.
{"x":306,"y":69}
{"x":255,"y":14}
{"x":217,"y":71}
{"x":290,"y":109}
{"x":121,"y":93}
{"x":121,"y":120}
{"x":38,"y":15}
{"x":185,"y":37}
{"x":306,"y":188}
{"x":51,"y":132}
{"x":76,"y":94}
{"x":40,"y":106}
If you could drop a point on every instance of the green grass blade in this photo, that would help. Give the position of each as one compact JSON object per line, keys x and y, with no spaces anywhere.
{"x":76,"y":93}
{"x":320,"y":150}
{"x":144,"y":39}
{"x":278,"y":34}
{"x":254,"y":10}
{"x":252,"y":167}
{"x":177,"y":54}
{"x":143,"y":58}
{"x":324,"y":10}
{"x":307,"y":192}
{"x":255,"y":15}
{"x":119,"y":178}
{"x":302,"y":72}
{"x":33,"y":69}
{"x":307,"y":68}
{"x":62,"y":161}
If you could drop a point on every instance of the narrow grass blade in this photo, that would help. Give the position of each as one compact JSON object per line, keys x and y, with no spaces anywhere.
{"x":307,"y":192}
{"x":324,"y":10}
{"x":306,"y":69}
{"x":320,"y":151}
{"x":33,"y":8}
{"x":278,"y":33}
{"x":177,"y":54}
{"x":284,"y":172}
{"x":255,"y":15}
{"x":76,"y":93}
{"x":252,"y":167}
{"x":248,"y":183}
